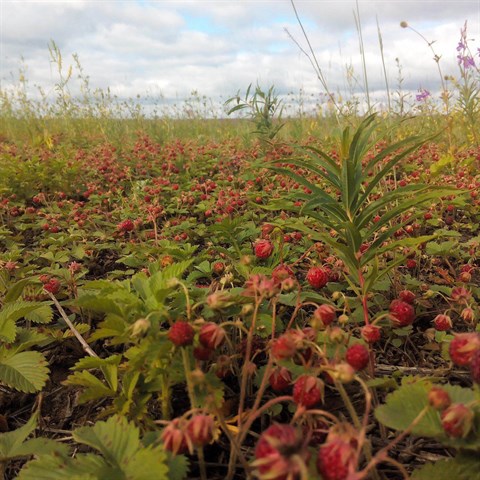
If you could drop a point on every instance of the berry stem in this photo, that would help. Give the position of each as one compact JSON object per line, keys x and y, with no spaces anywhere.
{"x":381,"y":455}
{"x":366,"y":315}
{"x":243,"y":387}
{"x":165,"y":397}
{"x":201,"y":461}
{"x":187,"y":368}
{"x":187,"y":299}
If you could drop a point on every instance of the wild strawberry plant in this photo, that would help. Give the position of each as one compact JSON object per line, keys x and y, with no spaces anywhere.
{"x":192,"y":333}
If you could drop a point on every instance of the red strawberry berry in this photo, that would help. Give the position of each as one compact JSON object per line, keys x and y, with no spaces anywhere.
{"x":317,"y":277}
{"x":278,"y":452}
{"x":308,"y":391}
{"x":337,"y":457}
{"x":357,"y":356}
{"x":126,"y":226}
{"x":462,"y":348}
{"x":280,"y":379}
{"x":284,"y":347}
{"x":263,"y":249}
{"x":407,"y":296}
{"x":438,"y":398}
{"x":460,"y":294}
{"x":211,"y":335}
{"x":467,"y":314}
{"x":282,"y":272}
{"x":402,"y":313}
{"x":218,"y":268}
{"x":442,"y":322}
{"x":457,"y":420}
{"x":323,"y":316}
{"x":200,"y":429}
{"x":475,"y":366}
{"x":371,"y":333}
{"x":202,"y":353}
{"x":174,"y":437}
{"x":411,"y":264}
{"x":52,"y":286}
{"x":181,"y":334}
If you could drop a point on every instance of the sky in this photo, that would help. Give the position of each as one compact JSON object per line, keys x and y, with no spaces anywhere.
{"x":165,"y":50}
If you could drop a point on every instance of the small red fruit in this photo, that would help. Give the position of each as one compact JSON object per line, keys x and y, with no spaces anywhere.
{"x":462,"y":348}
{"x":211,"y":335}
{"x":181,"y":334}
{"x":460,"y":294}
{"x":402,"y":313}
{"x":52,"y":286}
{"x":442,"y":322}
{"x":371,"y":333}
{"x":308,"y":391}
{"x":438,"y":398}
{"x":202,"y":353}
{"x":284,"y":347}
{"x":174,"y":437}
{"x":126,"y":226}
{"x":282,"y":272}
{"x":278,"y":452}
{"x":411,"y":264}
{"x":323,"y":316}
{"x":201,"y":430}
{"x":467,"y":314}
{"x":357,"y":356}
{"x":263,"y":249}
{"x":218,"y":268}
{"x":317,"y":277}
{"x":457,"y":420}
{"x":337,"y":457}
{"x":475,"y":366}
{"x":407,"y":296}
{"x":280,"y":379}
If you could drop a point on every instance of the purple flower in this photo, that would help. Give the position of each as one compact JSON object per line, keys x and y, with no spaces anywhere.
{"x":461,"y":46}
{"x":422,"y":95}
{"x":466,"y":61}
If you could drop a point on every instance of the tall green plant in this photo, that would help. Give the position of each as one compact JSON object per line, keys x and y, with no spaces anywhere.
{"x":364,"y":225}
{"x":264,"y":109}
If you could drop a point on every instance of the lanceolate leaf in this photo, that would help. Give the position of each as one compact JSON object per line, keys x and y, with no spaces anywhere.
{"x":325,"y":201}
{"x":372,"y":183}
{"x":329,"y":172}
{"x":25,"y":371}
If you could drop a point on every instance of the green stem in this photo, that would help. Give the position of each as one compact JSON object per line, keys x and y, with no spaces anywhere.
{"x":165,"y":397}
{"x":367,"y":448}
{"x":201,"y":461}
{"x":348,"y":404}
{"x":243,"y":388}
{"x":190,"y":387}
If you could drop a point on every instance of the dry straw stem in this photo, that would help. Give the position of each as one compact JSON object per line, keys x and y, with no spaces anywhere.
{"x":82,"y":341}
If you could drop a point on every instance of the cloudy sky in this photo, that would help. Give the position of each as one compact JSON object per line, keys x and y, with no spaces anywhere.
{"x":168,"y":48}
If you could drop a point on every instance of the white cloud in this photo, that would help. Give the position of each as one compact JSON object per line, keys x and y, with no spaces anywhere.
{"x":218,"y":47}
